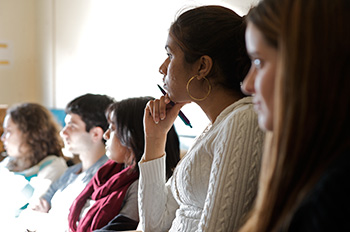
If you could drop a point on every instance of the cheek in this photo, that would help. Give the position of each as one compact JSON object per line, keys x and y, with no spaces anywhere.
{"x":267,"y":91}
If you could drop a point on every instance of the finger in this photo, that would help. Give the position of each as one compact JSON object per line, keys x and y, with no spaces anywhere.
{"x":155,"y":111}
{"x":149,"y":109}
{"x":162,"y":107}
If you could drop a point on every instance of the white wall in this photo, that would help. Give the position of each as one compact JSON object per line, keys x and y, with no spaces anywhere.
{"x":113,"y":47}
{"x":65,"y":48}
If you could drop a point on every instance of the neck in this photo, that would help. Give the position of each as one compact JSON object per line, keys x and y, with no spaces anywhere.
{"x":217,"y":101}
{"x":91,"y":156}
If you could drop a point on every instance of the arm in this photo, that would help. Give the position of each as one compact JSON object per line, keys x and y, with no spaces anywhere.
{"x":119,"y":223}
{"x":128,"y":217}
{"x":157,"y":205}
{"x":234,"y":173}
{"x":43,"y":204}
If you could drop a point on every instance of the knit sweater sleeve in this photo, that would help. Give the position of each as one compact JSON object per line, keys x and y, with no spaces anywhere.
{"x":234,"y":173}
{"x":157,"y":205}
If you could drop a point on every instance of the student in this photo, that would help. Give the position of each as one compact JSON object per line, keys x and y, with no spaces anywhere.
{"x":300,"y":80}
{"x":215,"y":183}
{"x":109,"y":202}
{"x":85,"y":124}
{"x":33,"y":145}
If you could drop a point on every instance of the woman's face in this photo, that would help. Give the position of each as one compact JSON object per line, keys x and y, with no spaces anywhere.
{"x":176,"y":72}
{"x":13,"y":139}
{"x":114,"y":149}
{"x":260,"y":81}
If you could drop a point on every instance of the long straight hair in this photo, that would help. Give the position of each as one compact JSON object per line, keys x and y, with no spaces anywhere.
{"x":312,"y":107}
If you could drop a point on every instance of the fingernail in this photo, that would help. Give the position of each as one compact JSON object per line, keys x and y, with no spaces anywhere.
{"x":161,"y":116}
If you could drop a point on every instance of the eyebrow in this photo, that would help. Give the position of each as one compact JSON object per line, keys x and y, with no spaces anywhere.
{"x":167,"y":47}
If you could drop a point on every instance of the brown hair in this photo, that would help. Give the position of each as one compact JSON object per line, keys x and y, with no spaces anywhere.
{"x":40,"y":133}
{"x":218,"y":32}
{"x":312,"y":106}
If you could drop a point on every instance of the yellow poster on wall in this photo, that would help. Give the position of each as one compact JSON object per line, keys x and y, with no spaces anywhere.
{"x":5,"y":54}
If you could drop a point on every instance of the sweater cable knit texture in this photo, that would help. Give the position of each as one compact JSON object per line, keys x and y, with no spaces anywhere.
{"x":214,"y":185}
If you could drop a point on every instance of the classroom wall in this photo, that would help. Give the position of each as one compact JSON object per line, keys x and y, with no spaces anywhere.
{"x":18,"y":78}
{"x":60,"y":49}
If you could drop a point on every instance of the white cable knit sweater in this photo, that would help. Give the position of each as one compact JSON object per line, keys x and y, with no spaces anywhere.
{"x":214,"y":185}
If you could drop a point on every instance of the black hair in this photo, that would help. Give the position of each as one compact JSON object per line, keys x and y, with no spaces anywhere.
{"x":218,"y":32}
{"x":127,"y":116}
{"x":91,"y":109}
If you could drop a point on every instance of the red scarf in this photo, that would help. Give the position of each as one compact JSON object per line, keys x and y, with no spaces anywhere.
{"x":108,"y":188}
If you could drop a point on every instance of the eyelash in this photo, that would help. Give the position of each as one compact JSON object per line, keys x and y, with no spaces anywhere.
{"x":111,"y":127}
{"x":169,"y":55}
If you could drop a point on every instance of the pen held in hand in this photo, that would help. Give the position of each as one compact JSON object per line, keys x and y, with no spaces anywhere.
{"x":181,"y":115}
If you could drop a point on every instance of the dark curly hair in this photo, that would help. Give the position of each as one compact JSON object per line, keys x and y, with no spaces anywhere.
{"x":40,"y":133}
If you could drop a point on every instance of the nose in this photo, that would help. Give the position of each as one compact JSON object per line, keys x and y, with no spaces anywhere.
{"x":106,"y":134}
{"x":163,"y":67}
{"x":247,"y":86}
{"x":63,"y":131}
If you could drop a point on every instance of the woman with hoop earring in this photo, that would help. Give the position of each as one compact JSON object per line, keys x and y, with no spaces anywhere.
{"x":214,"y":185}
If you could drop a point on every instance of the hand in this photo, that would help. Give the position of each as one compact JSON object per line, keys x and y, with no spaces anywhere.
{"x":159,"y":117}
{"x":42,"y":206}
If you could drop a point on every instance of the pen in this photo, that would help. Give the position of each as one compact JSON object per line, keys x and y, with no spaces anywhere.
{"x":181,"y":115}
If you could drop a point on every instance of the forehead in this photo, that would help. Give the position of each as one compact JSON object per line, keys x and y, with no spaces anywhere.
{"x":73,"y":118}
{"x":8,"y":121}
{"x":253,"y":37}
{"x":255,"y":40}
{"x":9,"y":124}
{"x":171,"y":45}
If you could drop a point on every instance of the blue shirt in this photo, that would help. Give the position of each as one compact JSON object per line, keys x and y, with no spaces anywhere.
{"x":71,"y":177}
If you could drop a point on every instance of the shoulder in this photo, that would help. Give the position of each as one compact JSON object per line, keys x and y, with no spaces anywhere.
{"x":52,"y":167}
{"x":327,"y":206}
{"x":53,"y":162}
{"x":133,"y":188}
{"x":239,"y":117}
{"x":242,"y":109}
{"x":72,"y":169}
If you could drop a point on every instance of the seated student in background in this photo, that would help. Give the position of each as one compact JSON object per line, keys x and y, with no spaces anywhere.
{"x":300,"y":80}
{"x":35,"y":160}
{"x":85,"y":124}
{"x":109,"y":201}
{"x":215,"y":184}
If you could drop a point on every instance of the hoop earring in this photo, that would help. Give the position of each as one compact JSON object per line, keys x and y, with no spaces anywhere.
{"x":188,"y":90}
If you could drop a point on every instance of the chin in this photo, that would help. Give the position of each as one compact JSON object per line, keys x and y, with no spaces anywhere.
{"x":264,"y":124}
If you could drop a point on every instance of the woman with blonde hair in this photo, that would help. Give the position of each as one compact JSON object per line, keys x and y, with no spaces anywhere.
{"x":299,"y":78}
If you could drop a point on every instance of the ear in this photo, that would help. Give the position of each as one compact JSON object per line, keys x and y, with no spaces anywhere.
{"x":205,"y":65}
{"x":96,"y":133}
